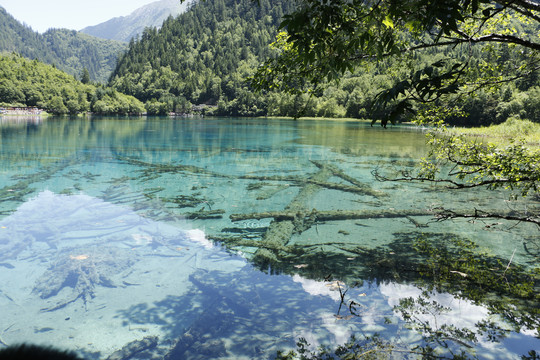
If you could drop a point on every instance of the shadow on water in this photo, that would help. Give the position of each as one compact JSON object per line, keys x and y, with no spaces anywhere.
{"x":441,"y":262}
{"x":222,"y":310}
{"x":436,"y":264}
{"x":349,"y":263}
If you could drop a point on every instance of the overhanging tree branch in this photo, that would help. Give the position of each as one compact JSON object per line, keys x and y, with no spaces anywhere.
{"x":521,"y":4}
{"x":327,"y":39}
{"x":445,"y":214}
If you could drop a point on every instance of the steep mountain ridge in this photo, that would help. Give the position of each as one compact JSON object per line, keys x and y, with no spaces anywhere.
{"x":124,"y":28}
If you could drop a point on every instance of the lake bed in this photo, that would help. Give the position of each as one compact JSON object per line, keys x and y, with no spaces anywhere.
{"x":119,"y":231}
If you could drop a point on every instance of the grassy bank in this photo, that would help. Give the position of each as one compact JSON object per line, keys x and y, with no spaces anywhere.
{"x":503,"y":134}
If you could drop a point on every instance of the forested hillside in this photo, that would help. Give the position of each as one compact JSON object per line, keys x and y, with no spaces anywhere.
{"x":31,"y":83}
{"x":202,"y":57}
{"x":68,"y":50}
{"x":205,"y":55}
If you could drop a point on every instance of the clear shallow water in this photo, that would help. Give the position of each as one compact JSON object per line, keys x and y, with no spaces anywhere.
{"x":115,"y":231}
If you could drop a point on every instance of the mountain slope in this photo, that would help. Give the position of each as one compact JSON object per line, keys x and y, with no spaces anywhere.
{"x":124,"y":28}
{"x":68,"y":50}
{"x":26,"y":82}
{"x":202,"y":56}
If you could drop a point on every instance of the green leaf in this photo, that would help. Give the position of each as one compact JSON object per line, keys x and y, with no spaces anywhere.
{"x":388,"y":22}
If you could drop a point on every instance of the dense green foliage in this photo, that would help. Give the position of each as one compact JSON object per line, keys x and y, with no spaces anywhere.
{"x":68,"y":50}
{"x":205,"y":55}
{"x":440,"y":52}
{"x":31,"y":83}
{"x":201,"y":57}
{"x":476,"y":164}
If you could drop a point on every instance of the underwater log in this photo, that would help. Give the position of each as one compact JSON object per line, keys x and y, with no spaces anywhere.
{"x":201,"y":214}
{"x":301,"y":181}
{"x":362,"y":187}
{"x":332,"y":215}
{"x":280,"y":231}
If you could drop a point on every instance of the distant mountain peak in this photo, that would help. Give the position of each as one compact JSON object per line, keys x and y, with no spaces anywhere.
{"x":124,"y":28}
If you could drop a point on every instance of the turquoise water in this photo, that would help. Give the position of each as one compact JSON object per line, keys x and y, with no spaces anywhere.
{"x":115,"y":231}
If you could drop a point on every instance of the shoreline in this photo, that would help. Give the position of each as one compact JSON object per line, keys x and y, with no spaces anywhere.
{"x":501,"y":134}
{"x":32,"y":111}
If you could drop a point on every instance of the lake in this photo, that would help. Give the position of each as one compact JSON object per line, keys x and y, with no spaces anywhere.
{"x":207,"y":238}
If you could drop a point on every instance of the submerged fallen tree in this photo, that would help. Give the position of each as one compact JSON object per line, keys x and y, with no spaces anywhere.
{"x":280,"y":232}
{"x":152,"y":171}
{"x":332,"y":215}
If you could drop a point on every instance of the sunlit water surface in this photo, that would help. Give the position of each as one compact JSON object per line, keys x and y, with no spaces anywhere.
{"x":118,"y":231}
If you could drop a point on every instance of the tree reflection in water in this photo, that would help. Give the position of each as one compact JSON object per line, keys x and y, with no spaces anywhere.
{"x":441,"y":269}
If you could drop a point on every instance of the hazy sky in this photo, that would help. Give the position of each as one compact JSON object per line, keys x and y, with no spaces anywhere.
{"x":71,"y":14}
